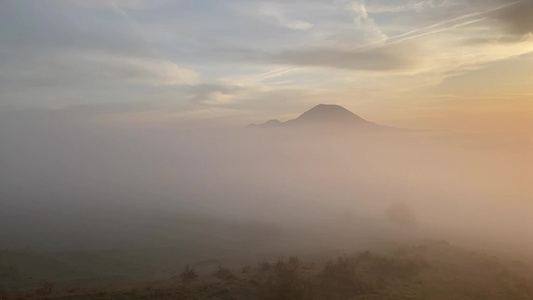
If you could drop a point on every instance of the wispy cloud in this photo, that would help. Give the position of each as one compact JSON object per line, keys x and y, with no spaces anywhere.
{"x":517,"y":20}
{"x":363,"y":20}
{"x":214,"y":94}
{"x":283,"y":21}
{"x":411,"y":5}
{"x":258,"y":78}
{"x":449,"y":24}
{"x":271,"y":13}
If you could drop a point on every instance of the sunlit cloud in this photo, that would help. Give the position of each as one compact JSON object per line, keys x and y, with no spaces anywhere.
{"x":367,"y":23}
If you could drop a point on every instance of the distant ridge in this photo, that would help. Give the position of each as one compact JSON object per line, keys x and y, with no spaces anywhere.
{"x":269,"y":123}
{"x":323,"y":115}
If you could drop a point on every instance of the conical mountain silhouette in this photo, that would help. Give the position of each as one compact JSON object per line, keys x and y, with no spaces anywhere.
{"x":325,"y":115}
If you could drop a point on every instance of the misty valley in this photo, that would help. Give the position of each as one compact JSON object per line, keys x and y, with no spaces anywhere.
{"x":139,"y":208}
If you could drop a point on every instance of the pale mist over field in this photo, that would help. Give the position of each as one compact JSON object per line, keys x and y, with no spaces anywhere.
{"x":316,"y":184}
{"x":125,"y":125}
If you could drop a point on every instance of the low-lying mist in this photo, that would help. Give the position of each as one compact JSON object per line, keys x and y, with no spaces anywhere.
{"x":86,"y":186}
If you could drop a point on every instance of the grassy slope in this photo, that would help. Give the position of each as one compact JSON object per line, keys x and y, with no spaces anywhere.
{"x":432,"y":270}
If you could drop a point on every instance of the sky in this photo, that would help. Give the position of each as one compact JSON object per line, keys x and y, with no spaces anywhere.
{"x":462,"y":65}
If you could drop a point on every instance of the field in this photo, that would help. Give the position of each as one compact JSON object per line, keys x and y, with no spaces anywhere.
{"x":429,"y":270}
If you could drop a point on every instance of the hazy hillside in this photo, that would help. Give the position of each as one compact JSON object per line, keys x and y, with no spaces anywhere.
{"x":427,"y":270}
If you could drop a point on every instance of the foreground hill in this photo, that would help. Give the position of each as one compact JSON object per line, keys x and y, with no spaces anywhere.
{"x":430,"y":270}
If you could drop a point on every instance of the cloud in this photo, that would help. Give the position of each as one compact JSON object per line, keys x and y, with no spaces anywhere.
{"x":283,"y":21}
{"x":47,"y":27}
{"x":442,"y":26}
{"x":516,"y":20}
{"x":57,"y":50}
{"x":510,"y":21}
{"x":364,"y":21}
{"x":68,"y":69}
{"x":252,"y":101}
{"x":152,"y":72}
{"x":387,"y":58}
{"x":214,"y":94}
{"x":272,"y":13}
{"x":411,"y":5}
{"x":107,"y":4}
{"x":66,"y":77}
{"x":250,"y":98}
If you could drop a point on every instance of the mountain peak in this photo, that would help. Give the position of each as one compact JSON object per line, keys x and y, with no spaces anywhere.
{"x":326,"y":116}
{"x":323,"y":113}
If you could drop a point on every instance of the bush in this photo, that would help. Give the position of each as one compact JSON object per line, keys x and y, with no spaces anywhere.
{"x":286,"y":281}
{"x":246,"y":269}
{"x":189,"y":274}
{"x":223,"y":273}
{"x":340,"y":280}
{"x":264,"y":266}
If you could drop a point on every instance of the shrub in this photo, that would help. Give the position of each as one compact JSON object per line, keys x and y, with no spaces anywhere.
{"x":223,"y":273}
{"x":264,"y":266}
{"x":188,"y":274}
{"x":246,"y":269}
{"x":339,"y":279}
{"x":286,"y":281}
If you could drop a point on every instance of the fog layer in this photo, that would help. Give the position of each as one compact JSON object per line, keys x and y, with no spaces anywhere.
{"x":69,"y":185}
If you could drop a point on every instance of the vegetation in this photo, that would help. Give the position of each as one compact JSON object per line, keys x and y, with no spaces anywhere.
{"x":188,"y":275}
{"x":433,"y":270}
